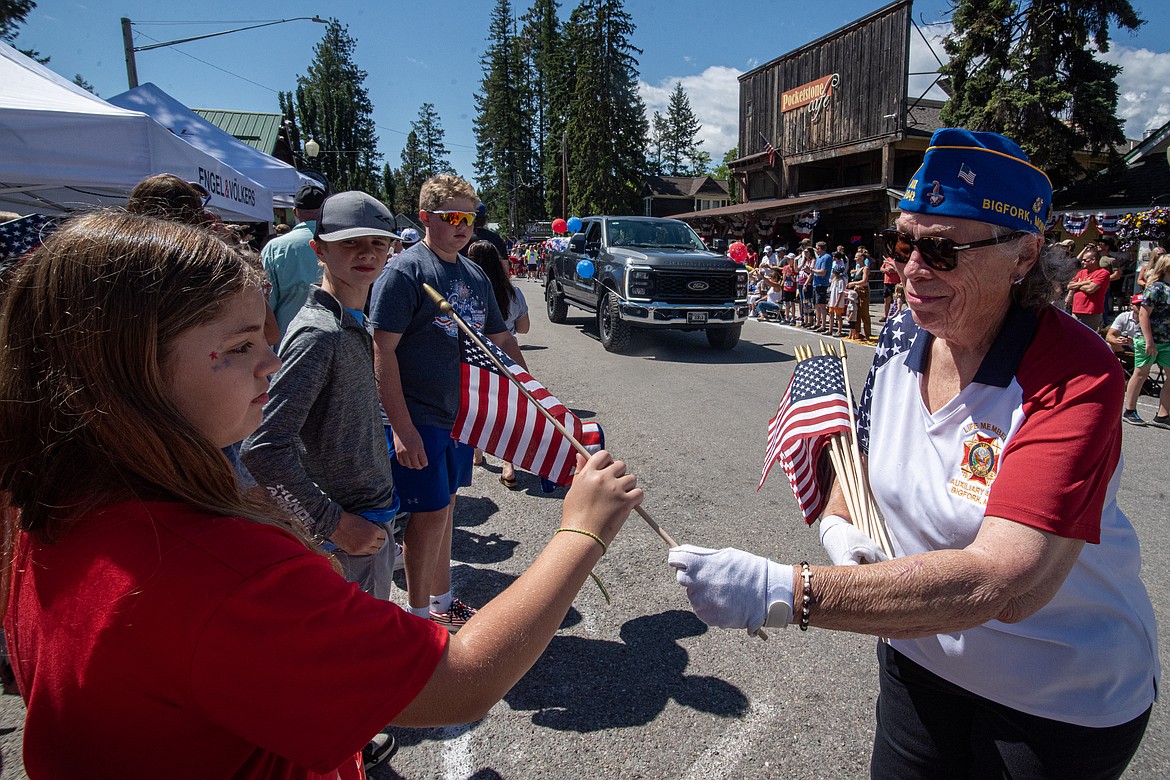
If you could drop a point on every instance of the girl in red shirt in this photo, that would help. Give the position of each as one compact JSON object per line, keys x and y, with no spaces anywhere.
{"x":164,"y":623}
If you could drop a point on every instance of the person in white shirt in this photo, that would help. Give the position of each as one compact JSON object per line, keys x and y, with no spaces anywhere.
{"x":1019,"y":638}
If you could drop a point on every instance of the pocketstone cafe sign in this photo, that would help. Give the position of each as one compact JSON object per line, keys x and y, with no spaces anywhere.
{"x":814,"y":94}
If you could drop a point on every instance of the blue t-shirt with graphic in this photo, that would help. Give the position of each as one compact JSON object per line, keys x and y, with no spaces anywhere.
{"x":428,"y":353}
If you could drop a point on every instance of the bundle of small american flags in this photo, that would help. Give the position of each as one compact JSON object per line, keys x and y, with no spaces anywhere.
{"x":815,"y":414}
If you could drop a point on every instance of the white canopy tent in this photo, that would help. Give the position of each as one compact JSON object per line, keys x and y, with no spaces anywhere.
{"x":280,"y":177}
{"x":62,"y":148}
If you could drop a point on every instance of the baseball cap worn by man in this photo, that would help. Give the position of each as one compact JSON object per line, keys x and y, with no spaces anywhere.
{"x":409,"y":237}
{"x":309,"y":198}
{"x":980,"y":176}
{"x":354,"y":214}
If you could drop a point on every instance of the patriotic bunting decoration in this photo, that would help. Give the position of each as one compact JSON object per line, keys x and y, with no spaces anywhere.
{"x":804,"y":224}
{"x":1076,"y":224}
{"x":496,"y":417}
{"x":1107,"y":224}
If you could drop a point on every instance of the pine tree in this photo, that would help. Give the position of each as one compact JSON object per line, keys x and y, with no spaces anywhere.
{"x":12,"y":15}
{"x":543,"y":49}
{"x":681,"y":155}
{"x":334,"y":109}
{"x":503,"y":139}
{"x":655,"y":164}
{"x":429,"y":134}
{"x":411,"y":175}
{"x":388,"y":187}
{"x":1026,"y":69}
{"x":607,"y":120}
{"x":80,"y":81}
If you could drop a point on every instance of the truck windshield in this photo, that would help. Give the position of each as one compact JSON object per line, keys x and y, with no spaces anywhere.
{"x":661,"y":235}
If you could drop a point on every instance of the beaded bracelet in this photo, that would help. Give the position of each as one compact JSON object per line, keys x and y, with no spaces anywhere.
{"x":806,"y":601}
{"x":590,"y":534}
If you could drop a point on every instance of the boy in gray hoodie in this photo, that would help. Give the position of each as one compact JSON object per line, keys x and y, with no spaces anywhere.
{"x":321,"y":448}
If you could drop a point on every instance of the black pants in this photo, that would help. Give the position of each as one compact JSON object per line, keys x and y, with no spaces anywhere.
{"x":929,"y":728}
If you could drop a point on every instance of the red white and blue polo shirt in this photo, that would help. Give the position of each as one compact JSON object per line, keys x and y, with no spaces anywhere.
{"x":1035,"y":438}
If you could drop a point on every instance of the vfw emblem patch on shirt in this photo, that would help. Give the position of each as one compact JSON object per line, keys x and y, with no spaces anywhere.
{"x":980,"y":464}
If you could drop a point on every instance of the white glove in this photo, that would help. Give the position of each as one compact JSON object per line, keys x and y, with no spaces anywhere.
{"x":846,"y":545}
{"x":730,"y":588}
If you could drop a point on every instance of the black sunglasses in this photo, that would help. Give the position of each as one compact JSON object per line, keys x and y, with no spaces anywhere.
{"x":940,"y":254}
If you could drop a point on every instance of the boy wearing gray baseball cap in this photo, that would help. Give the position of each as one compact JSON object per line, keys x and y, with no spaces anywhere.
{"x":321,"y":449}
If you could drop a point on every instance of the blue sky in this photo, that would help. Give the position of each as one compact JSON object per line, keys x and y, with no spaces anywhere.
{"x":426,"y":52}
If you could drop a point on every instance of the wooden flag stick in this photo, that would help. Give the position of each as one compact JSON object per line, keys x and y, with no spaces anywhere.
{"x":876,"y":523}
{"x":446,"y":307}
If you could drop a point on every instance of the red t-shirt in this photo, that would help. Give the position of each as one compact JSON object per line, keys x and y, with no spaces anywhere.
{"x":1095,"y":302}
{"x":890,"y":273}
{"x":155,"y":640}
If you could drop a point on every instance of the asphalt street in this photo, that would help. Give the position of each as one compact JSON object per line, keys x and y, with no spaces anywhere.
{"x":640,"y":688}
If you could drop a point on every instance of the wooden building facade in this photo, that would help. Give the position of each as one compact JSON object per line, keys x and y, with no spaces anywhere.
{"x":829,"y":128}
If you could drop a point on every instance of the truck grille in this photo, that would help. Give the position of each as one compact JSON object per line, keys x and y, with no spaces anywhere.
{"x":677,"y":286}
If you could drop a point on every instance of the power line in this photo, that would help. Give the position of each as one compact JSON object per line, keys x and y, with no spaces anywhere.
{"x":263,"y":86}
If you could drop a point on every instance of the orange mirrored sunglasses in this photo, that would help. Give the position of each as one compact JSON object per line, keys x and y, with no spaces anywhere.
{"x":456,"y":218}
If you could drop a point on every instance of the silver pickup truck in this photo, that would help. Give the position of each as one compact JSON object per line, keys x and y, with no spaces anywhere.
{"x":647,"y":273}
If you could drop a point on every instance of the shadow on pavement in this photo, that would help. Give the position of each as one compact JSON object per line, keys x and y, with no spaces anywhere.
{"x":468,"y":547}
{"x":585,"y":685}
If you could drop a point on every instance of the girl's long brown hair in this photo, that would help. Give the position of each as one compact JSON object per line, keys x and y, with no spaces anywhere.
{"x":85,"y":415}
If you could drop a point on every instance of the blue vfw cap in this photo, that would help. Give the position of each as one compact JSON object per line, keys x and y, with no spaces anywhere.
{"x":980,"y":176}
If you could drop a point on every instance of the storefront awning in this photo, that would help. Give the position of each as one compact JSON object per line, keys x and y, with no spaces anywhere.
{"x":785,"y":207}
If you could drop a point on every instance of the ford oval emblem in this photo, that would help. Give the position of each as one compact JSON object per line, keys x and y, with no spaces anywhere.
{"x":697,"y":286}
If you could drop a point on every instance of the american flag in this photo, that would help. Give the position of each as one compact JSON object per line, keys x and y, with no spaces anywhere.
{"x":497,"y":418}
{"x":771,"y":150}
{"x":813,"y":408}
{"x":966,"y":174}
{"x":21,"y":235}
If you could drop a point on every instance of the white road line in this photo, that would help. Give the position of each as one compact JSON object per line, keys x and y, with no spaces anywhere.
{"x":458,"y":758}
{"x":720,"y":759}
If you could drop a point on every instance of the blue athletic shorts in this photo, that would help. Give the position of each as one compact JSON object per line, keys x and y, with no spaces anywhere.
{"x":448,"y":469}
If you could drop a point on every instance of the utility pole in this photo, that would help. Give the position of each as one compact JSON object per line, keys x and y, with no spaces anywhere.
{"x":128,"y":46}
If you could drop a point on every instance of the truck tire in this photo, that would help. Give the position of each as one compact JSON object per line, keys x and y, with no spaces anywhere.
{"x":614,"y":331}
{"x":558,"y":310}
{"x":724,"y":338}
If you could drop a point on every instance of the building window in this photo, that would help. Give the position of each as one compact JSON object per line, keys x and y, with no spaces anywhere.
{"x":648,"y":207}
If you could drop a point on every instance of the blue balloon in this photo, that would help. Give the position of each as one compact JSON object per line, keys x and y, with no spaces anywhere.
{"x":585,"y":269}
{"x":574,"y":224}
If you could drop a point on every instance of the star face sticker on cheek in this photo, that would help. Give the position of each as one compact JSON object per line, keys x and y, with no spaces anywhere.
{"x":219,"y":362}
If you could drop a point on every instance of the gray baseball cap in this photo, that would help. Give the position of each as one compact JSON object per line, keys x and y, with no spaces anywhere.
{"x":354,"y":214}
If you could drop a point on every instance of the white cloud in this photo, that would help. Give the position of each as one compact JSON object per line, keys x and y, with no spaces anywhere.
{"x":714,"y":96}
{"x":1143,"y":88}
